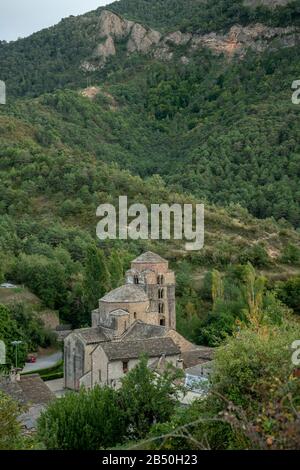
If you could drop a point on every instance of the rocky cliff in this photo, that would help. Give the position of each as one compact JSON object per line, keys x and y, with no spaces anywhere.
{"x":112,"y":29}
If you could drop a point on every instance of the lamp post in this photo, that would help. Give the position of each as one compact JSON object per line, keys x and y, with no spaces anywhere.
{"x":16,"y":344}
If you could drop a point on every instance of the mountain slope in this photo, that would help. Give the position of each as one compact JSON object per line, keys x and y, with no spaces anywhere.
{"x":195,"y":124}
{"x":208,"y":15}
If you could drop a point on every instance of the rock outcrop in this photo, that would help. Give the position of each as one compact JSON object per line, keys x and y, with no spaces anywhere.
{"x":113,"y":29}
{"x":257,"y":37}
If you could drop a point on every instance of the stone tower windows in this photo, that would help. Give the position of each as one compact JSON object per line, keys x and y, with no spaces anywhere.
{"x":161,"y":308}
{"x":160,"y":279}
{"x":136,"y":279}
{"x":160,"y":293}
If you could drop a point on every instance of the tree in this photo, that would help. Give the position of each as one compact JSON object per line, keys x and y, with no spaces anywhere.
{"x":289,"y":292}
{"x":254,"y":293}
{"x":116,"y":268}
{"x":88,"y":420}
{"x":148,"y":397}
{"x":11,"y":331}
{"x":97,"y":279}
{"x":253,"y":400}
{"x":217,"y":288}
{"x":10,"y":429}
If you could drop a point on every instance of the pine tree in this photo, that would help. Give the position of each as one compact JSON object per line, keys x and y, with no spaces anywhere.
{"x":116,"y":268}
{"x":217,"y":289}
{"x":97,"y":279}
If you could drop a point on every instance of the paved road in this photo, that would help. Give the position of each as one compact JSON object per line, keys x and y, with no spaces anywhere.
{"x":43,"y":362}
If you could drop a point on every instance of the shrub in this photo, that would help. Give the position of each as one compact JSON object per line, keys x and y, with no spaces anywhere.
{"x":88,"y":420}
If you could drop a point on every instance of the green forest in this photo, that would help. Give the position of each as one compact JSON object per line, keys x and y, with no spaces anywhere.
{"x":218,"y":131}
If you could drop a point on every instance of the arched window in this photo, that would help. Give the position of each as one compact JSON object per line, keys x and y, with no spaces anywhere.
{"x":136,"y":279}
{"x":134,"y":315}
{"x":160,"y":293}
{"x":160,"y":279}
{"x":161,"y":308}
{"x":162,"y":322}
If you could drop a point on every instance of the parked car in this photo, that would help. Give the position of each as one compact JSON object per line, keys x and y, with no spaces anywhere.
{"x":31,"y":359}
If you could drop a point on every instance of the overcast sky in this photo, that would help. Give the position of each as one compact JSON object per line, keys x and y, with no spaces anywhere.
{"x":20,"y":18}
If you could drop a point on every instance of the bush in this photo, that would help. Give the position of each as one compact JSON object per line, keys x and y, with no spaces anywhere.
{"x":289,"y":293}
{"x":253,"y":400}
{"x":10,"y":430}
{"x":88,"y":420}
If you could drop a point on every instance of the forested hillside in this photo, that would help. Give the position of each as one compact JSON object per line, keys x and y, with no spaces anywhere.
{"x":216,"y":129}
{"x":230,"y":122}
{"x":206,"y":15}
{"x":196,"y":110}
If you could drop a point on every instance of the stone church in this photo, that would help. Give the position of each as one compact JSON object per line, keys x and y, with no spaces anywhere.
{"x":138,"y":317}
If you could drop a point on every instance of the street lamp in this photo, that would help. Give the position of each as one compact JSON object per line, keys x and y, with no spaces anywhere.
{"x":16,"y":344}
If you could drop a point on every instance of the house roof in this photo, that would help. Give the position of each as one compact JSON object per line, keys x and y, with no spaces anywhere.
{"x":92,"y":335}
{"x":149,"y":257}
{"x":140,"y":330}
{"x":128,"y":293}
{"x":200,"y":370}
{"x":153,"y":347}
{"x":197,"y":356}
{"x":29,"y":390}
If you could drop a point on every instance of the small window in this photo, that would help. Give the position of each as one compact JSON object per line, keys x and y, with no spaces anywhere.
{"x":161,"y":308}
{"x":125,"y":367}
{"x":134,"y":315}
{"x":162,"y":322}
{"x":160,"y":293}
{"x":99,"y":375}
{"x":160,"y":279}
{"x":136,"y":279}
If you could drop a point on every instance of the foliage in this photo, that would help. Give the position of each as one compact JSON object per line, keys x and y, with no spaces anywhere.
{"x":88,"y":420}
{"x":10,"y":429}
{"x":253,"y":400}
{"x":148,"y":397}
{"x":96,"y":277}
{"x":289,"y":292}
{"x":10,"y":331}
{"x":191,"y":15}
{"x":104,"y":417}
{"x":244,"y":300}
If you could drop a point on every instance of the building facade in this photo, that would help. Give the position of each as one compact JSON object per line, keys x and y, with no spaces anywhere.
{"x":134,"y":319}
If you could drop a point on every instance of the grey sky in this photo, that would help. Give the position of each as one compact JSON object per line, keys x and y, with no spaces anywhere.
{"x":20,"y":18}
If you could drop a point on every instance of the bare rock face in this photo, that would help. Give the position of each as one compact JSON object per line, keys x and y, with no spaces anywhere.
{"x":177,"y":38}
{"x":239,"y":39}
{"x":138,"y":38}
{"x":111,"y":24}
{"x":106,"y":49}
{"x":113,"y":28}
{"x":142,"y":39}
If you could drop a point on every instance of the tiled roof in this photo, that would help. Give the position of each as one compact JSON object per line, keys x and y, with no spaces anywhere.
{"x":140,"y":330}
{"x":153,"y":347}
{"x":197,"y":356}
{"x":92,"y":335}
{"x":127,"y":293}
{"x":29,"y":390}
{"x":149,"y":257}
